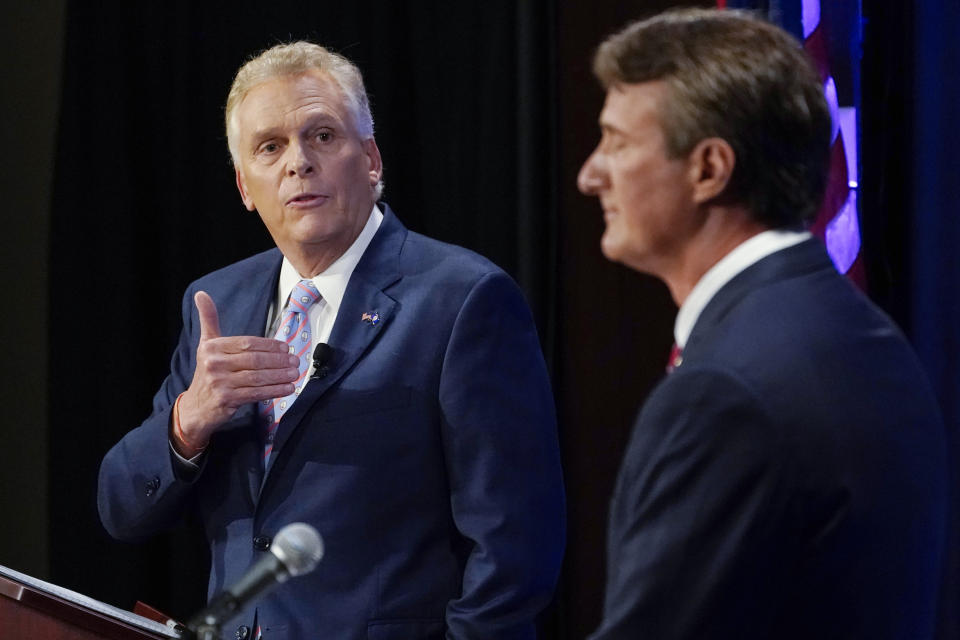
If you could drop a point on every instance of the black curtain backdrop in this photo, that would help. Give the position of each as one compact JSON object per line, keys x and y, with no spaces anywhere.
{"x":484,"y":112}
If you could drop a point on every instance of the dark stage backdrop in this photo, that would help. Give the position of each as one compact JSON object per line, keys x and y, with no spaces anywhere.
{"x":911,"y":218}
{"x":484,"y":112}
{"x":30,"y":41}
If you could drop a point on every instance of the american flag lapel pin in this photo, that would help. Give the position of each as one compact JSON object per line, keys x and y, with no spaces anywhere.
{"x":370,"y":317}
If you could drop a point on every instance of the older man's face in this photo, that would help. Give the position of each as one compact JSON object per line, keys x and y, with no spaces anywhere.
{"x":302,"y":166}
{"x":645,"y":194}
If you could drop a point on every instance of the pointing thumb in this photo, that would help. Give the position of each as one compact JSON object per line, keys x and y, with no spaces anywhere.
{"x":209,"y":320}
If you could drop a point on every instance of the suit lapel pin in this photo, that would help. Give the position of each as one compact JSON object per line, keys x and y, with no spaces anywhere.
{"x":370,"y":317}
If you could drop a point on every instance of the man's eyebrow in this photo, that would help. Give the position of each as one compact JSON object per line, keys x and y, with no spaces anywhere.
{"x":608,"y":127}
{"x":321,"y":118}
{"x":262,"y":134}
{"x":318,"y":119}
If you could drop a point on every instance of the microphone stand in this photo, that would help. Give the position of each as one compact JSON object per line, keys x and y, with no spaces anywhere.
{"x":206,"y":624}
{"x":208,"y":631}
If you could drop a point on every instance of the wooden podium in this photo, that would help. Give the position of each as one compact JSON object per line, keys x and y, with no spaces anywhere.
{"x":34,"y":610}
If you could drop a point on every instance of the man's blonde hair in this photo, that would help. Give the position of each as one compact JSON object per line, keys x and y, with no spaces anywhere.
{"x":295,"y":58}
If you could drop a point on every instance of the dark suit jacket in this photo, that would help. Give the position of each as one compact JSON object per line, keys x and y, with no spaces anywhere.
{"x":788,"y":479}
{"x":427,"y":458}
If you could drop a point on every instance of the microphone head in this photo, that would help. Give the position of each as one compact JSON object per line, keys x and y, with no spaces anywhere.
{"x":322,"y":353}
{"x":299,"y":548}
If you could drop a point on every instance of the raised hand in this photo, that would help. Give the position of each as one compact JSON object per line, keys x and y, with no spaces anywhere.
{"x":231,"y":371}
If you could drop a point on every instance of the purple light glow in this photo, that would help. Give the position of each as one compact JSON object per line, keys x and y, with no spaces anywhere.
{"x":842,"y":234}
{"x":830,"y":93}
{"x":810,"y":15}
{"x":848,"y":124}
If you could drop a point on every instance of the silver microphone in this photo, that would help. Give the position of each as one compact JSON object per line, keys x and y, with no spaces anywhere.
{"x":295,"y":551}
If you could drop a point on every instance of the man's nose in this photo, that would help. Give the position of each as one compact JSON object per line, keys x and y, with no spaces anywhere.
{"x":299,"y":162}
{"x":590,"y":179}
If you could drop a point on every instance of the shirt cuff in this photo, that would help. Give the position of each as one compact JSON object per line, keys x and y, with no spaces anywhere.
{"x":184,"y":468}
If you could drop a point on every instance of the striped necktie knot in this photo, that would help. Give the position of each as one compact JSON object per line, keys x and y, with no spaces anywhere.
{"x":303,"y":296}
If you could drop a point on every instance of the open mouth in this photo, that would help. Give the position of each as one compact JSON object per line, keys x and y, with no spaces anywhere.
{"x":306,"y":200}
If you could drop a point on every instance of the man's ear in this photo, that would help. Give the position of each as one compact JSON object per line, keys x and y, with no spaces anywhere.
{"x":376,"y":162}
{"x":244,"y":194}
{"x":711,"y":167}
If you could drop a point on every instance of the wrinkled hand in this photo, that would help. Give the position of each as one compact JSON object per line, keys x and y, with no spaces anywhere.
{"x":231,"y":371}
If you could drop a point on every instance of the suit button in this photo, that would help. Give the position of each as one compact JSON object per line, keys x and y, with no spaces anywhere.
{"x":261,"y":543}
{"x":243,"y":632}
{"x":152,"y":486}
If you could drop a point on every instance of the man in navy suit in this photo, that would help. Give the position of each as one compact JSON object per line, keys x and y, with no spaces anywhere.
{"x":424,"y":449}
{"x":787,"y":479}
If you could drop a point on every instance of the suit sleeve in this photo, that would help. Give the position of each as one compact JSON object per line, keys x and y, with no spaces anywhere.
{"x":500,"y":437}
{"x":696,"y":527}
{"x":143,"y":488}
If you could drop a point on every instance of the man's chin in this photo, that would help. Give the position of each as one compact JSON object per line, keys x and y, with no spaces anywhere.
{"x":610,"y":248}
{"x":629,"y":257}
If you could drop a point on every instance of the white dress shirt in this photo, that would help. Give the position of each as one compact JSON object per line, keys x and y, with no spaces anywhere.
{"x":331,"y":283}
{"x":744,"y":255}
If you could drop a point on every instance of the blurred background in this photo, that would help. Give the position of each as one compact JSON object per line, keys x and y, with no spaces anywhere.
{"x":116,"y":184}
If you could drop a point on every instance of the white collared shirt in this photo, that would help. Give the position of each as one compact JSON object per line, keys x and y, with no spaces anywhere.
{"x":331,"y":283}
{"x":744,"y":255}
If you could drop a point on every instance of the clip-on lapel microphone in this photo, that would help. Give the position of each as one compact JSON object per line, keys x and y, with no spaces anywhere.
{"x":321,"y":356}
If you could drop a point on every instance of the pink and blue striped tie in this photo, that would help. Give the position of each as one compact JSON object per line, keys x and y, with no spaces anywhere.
{"x":294,"y":329}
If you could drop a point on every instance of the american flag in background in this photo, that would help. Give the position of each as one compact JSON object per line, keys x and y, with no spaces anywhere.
{"x":836,"y":222}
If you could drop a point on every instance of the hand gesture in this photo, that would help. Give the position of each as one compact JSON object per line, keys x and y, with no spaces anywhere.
{"x":231,"y":371}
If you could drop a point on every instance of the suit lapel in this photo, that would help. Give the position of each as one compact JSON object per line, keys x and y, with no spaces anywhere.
{"x":803,"y":258}
{"x":364,"y":314}
{"x":250,"y":304}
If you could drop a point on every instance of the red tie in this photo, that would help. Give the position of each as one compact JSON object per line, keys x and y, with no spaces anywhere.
{"x":676,"y":358}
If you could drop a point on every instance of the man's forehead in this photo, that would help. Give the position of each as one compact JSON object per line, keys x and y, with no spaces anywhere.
{"x":309,"y":82}
{"x":628,"y":104}
{"x":281,"y":95}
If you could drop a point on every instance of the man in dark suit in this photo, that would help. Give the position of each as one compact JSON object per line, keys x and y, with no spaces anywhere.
{"x":787,"y":479}
{"x":424,"y":449}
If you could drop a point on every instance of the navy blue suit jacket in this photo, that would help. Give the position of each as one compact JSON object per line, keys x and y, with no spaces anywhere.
{"x":427,"y":458}
{"x":788,"y":479}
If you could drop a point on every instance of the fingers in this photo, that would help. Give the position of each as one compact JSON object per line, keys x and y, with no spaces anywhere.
{"x":223,"y":382}
{"x":245,"y":395}
{"x":209,"y":320}
{"x":252,"y":377}
{"x":232,"y":371}
{"x":253,"y":344}
{"x":245,"y":353}
{"x":236,"y":370}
